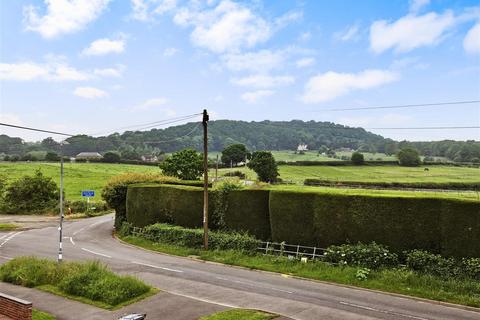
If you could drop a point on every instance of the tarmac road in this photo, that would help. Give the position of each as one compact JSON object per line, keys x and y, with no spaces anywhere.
{"x":217,"y":286}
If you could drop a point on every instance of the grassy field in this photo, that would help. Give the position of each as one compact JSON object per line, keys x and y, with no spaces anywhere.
{"x":298,"y":174}
{"x":78,"y":176}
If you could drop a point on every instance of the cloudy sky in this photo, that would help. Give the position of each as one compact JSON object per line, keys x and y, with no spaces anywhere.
{"x":92,"y":66}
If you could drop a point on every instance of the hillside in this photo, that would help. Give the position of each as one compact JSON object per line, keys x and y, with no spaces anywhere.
{"x":263,"y":135}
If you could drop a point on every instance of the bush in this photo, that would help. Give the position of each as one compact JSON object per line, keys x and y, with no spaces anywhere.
{"x":193,"y":238}
{"x":91,"y":280}
{"x":357,"y":158}
{"x":373,"y":256}
{"x":111,"y":157}
{"x":81,"y":206}
{"x":52,"y":156}
{"x":32,"y":194}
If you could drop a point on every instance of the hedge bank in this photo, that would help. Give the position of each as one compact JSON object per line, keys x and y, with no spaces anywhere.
{"x":446,"y":226}
{"x":439,"y":225}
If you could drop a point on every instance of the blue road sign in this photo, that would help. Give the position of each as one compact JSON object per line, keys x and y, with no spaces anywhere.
{"x":88,"y":193}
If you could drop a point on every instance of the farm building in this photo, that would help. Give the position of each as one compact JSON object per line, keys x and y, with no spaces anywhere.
{"x":88,"y":156}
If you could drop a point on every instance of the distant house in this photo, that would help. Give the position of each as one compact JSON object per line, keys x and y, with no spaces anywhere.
{"x":150,"y":158}
{"x":302,"y":147}
{"x":88,"y":156}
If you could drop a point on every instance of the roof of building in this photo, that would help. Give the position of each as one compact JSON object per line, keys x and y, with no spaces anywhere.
{"x":89,"y":155}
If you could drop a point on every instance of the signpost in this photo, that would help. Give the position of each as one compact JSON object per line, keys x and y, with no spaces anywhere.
{"x":88,"y":194}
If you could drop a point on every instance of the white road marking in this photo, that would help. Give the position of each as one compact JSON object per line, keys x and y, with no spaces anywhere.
{"x":5,"y":235}
{"x":71,"y":240}
{"x":382,"y":311}
{"x":254,"y":284}
{"x":90,"y":226}
{"x":6,"y":258}
{"x":156,"y":267}
{"x":97,"y":253}
{"x":10,"y":238}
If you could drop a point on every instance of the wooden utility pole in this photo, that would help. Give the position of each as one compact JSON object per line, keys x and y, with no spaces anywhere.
{"x":205,"y":179}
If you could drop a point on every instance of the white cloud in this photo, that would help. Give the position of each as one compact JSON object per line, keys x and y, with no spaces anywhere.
{"x":471,"y":42}
{"x":305,"y":36}
{"x":350,"y":33}
{"x":304,"y":62}
{"x":410,"y":32}
{"x":228,"y":27}
{"x":89,"y":93}
{"x":152,"y":103}
{"x":110,"y":72}
{"x":288,"y":18}
{"x":261,"y":61}
{"x":145,"y":10}
{"x":255,"y":96}
{"x":168,"y":52}
{"x":62,"y":16}
{"x":263,"y":81}
{"x":104,"y":46}
{"x":417,"y":5}
{"x":50,"y":71}
{"x":330,"y":85}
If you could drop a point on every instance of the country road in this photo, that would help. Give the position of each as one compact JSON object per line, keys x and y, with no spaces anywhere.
{"x":216,"y":285}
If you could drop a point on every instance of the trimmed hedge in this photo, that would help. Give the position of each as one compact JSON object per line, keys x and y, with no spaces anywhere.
{"x":449,"y":227}
{"x":335,"y":163}
{"x":247,"y":210}
{"x":379,"y":184}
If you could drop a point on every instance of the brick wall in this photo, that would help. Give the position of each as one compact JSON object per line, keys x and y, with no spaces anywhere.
{"x":14,"y":308}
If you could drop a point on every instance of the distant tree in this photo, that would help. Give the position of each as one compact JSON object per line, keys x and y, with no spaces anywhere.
{"x":234,"y":154}
{"x":52,"y":156}
{"x":50,"y":145}
{"x":130,"y":154}
{"x":14,"y":158}
{"x":186,"y":165}
{"x":111,"y":157}
{"x":263,"y":163}
{"x":323,"y":149}
{"x":29,"y":157}
{"x":408,"y":157}
{"x":357,"y":158}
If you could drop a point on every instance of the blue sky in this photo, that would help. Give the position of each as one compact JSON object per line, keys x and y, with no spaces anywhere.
{"x":93,"y":66}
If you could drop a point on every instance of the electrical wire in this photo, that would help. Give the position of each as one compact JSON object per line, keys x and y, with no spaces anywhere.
{"x":426,"y":128}
{"x":35,"y":129}
{"x":400,"y":106}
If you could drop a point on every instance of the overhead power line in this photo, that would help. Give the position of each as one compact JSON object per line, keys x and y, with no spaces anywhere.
{"x":35,"y":129}
{"x":439,"y":104}
{"x":425,"y":128}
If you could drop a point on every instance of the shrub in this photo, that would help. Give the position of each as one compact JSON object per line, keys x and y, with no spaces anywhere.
{"x":373,"y":256}
{"x":193,"y":238}
{"x":236,"y":173}
{"x":186,"y":165}
{"x":263,"y":163}
{"x":409,"y":157}
{"x":35,"y":194}
{"x":111,"y":157}
{"x":52,"y":156}
{"x":357,"y":158}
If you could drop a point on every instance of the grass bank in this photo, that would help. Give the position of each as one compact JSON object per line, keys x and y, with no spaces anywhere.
{"x":89,"y":282}
{"x":240,"y":314}
{"x":8,"y":226}
{"x":396,"y":280}
{"x":40,"y":315}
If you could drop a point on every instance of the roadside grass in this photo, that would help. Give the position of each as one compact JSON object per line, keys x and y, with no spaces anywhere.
{"x":83,"y":215}
{"x":89,"y":282}
{"x":40,"y":315}
{"x":240,"y":314}
{"x":395,"y":280}
{"x":8,"y":226}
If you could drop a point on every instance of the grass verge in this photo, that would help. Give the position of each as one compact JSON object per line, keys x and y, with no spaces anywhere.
{"x":7,"y":226}
{"x":89,"y":282}
{"x":40,"y":315}
{"x":396,"y":280}
{"x":240,"y":314}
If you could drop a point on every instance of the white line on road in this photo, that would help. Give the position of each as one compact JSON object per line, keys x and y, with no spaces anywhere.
{"x":90,"y":226}
{"x":382,"y":311}
{"x":5,"y":235}
{"x":253,"y":285}
{"x":156,"y":267}
{"x":6,"y":258}
{"x":10,"y":238}
{"x":71,"y":240}
{"x":97,"y":253}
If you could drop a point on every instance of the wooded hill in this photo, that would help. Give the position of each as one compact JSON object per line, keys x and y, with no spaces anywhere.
{"x":263,"y":135}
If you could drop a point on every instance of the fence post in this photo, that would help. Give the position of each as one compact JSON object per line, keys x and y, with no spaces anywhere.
{"x":298,"y":249}
{"x":266,"y":248}
{"x":314,"y":250}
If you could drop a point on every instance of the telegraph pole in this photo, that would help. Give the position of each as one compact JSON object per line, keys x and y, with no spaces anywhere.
{"x":205,"y":179}
{"x":60,"y":227}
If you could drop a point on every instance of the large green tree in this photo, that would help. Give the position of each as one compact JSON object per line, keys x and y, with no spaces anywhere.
{"x":234,"y":154}
{"x":357,"y":158}
{"x":263,"y":163}
{"x":186,"y":165}
{"x":408,"y":157}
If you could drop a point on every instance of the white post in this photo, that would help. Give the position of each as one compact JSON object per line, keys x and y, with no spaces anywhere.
{"x":60,"y":249}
